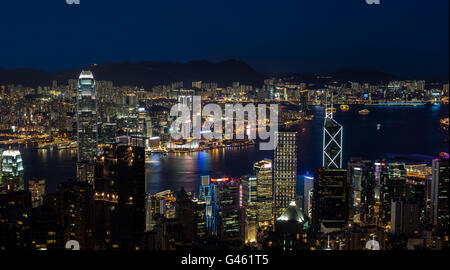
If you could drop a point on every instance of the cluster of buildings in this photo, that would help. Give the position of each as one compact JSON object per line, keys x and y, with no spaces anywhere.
{"x":368,"y":205}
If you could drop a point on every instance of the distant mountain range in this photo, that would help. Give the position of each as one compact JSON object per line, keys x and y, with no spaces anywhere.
{"x":149,"y":74}
{"x":143,"y":74}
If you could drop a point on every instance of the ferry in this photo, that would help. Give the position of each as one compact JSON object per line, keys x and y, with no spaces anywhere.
{"x":445,"y":123}
{"x":331,"y":110}
{"x":68,"y":145}
{"x":364,"y":112}
{"x":344,"y":107}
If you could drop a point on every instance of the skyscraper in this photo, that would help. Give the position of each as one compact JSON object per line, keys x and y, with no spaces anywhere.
{"x":264,"y":191}
{"x":207,"y":194}
{"x":304,"y":102}
{"x":77,"y":213}
{"x":332,"y":142}
{"x":285,"y":171}
{"x":120,"y":194}
{"x":440,"y":194}
{"x":86,"y":126}
{"x":37,"y":190}
{"x":361,"y":184}
{"x":330,"y":202}
{"x":12,"y":171}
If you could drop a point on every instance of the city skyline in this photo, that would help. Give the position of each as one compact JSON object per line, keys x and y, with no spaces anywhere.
{"x":312,"y":126}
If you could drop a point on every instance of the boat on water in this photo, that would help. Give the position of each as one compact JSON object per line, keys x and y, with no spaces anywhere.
{"x":378,"y":126}
{"x":344,"y":107}
{"x":364,"y":112}
{"x":331,"y":110}
{"x":445,"y":123}
{"x":68,"y":145}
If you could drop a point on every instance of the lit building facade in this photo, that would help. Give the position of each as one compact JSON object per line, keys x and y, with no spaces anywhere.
{"x":207,"y":194}
{"x":12,"y":171}
{"x":87,"y":133}
{"x":120,"y":197}
{"x":332,"y":143}
{"x":37,"y":190}
{"x":264,"y":191}
{"x":285,"y":171}
{"x":440,"y":194}
{"x":330,"y":203}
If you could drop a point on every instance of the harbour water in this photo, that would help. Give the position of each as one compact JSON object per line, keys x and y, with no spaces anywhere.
{"x":403,"y":130}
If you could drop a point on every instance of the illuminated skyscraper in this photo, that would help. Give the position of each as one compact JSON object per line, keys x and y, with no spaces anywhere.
{"x":12,"y":171}
{"x":207,"y":194}
{"x":257,"y":196}
{"x":86,"y":126}
{"x":361,"y":183}
{"x":37,"y":190}
{"x":440,"y":195}
{"x":304,"y":102}
{"x":332,"y":141}
{"x":330,"y":203}
{"x":264,"y":191}
{"x":285,"y":171}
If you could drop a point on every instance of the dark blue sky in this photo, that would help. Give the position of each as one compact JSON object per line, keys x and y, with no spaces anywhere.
{"x":405,"y":37}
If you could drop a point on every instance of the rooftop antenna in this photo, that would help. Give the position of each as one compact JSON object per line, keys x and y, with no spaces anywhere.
{"x":328,"y":244}
{"x":329,"y":114}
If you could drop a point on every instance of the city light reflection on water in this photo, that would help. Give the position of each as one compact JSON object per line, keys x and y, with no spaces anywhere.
{"x":404,"y":130}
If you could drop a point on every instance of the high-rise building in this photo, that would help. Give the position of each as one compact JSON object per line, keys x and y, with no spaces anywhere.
{"x":207,"y":194}
{"x":330,"y":202}
{"x":285,"y":171}
{"x":230,"y":214}
{"x":361,"y":184}
{"x":12,"y":171}
{"x":440,"y":194}
{"x":393,"y":188}
{"x":77,"y":213}
{"x":264,"y":191}
{"x":120,"y":194}
{"x":332,"y":142}
{"x":250,"y":204}
{"x":304,"y":99}
{"x":37,"y":190}
{"x":308,"y":191}
{"x":87,"y":133}
{"x":405,"y":217}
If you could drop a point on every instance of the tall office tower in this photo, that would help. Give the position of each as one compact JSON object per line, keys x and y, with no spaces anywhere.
{"x":308,"y":191}
{"x":37,"y":190}
{"x":264,"y":192}
{"x":405,"y":217}
{"x":230,"y":215}
{"x":12,"y":171}
{"x":440,"y":195}
{"x":304,"y":102}
{"x":285,"y":171}
{"x":15,"y":222}
{"x":87,"y":134}
{"x":77,"y":213}
{"x":250,"y":204}
{"x":185,"y":214}
{"x":207,"y":194}
{"x":393,"y":188}
{"x":330,"y":202}
{"x":361,"y":184}
{"x":120,"y":194}
{"x":332,"y":141}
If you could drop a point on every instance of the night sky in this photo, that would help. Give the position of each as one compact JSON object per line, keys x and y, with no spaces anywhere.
{"x":404,"y":37}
